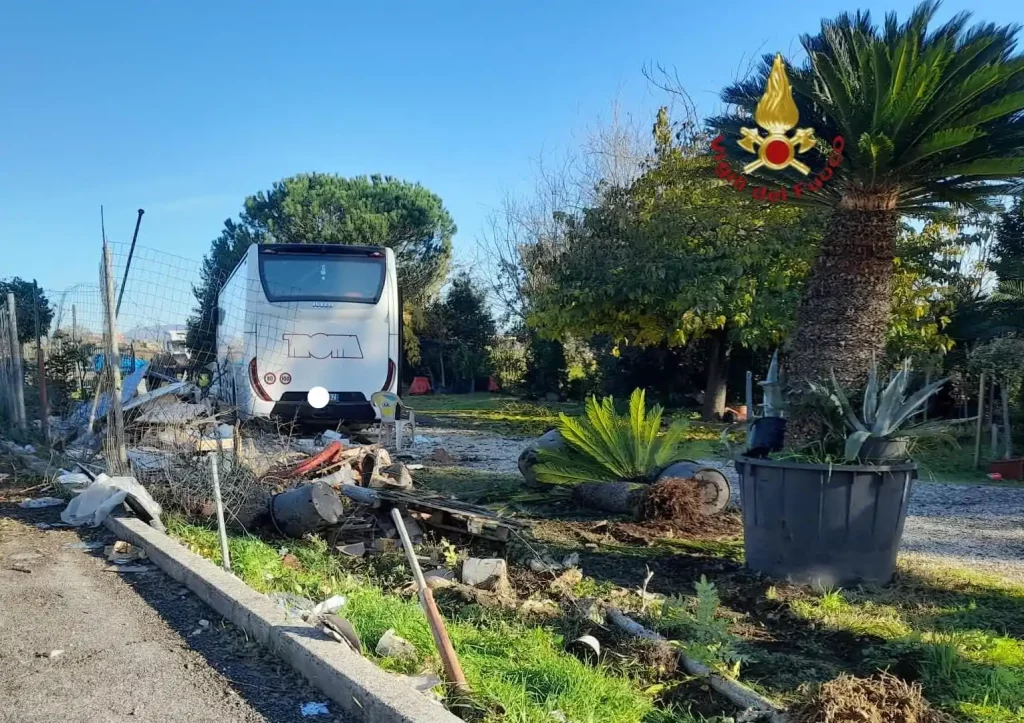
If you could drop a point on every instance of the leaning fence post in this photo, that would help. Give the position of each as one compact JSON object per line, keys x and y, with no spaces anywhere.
{"x":222,"y":531}
{"x":112,"y":360}
{"x":17,"y":371}
{"x":981,"y":416}
{"x":44,"y":404}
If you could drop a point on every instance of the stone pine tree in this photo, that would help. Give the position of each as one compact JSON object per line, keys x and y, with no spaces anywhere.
{"x":321,"y":208}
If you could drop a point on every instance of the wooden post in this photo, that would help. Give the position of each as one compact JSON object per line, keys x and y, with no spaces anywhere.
{"x":1007,"y":433}
{"x":978,"y":425}
{"x":44,"y":404}
{"x":749,"y":399}
{"x":16,"y":369}
{"x":117,"y":455}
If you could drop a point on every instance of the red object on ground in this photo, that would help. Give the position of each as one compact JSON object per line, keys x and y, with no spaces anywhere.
{"x":327,"y":456}
{"x":420,"y":385}
{"x":492,"y":386}
{"x":1008,"y":468}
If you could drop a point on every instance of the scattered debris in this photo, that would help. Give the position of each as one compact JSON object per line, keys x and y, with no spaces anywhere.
{"x":204,"y":623}
{"x":51,"y":654}
{"x":20,"y":568}
{"x":128,"y":568}
{"x":540,"y":608}
{"x":882,"y":697}
{"x":436,"y":578}
{"x":72,"y":481}
{"x":294,"y":605}
{"x":341,"y":630}
{"x":121,"y":553}
{"x":96,"y":501}
{"x":424,"y":683}
{"x":490,"y":574}
{"x":305,"y":509}
{"x":313,"y":709}
{"x":571,"y":560}
{"x":566,"y":582}
{"x":50,"y":525}
{"x":587,"y":648}
{"x":392,"y":645}
{"x":544,"y":566}
{"x":41,"y":502}
{"x":357,"y":549}
{"x":330,"y":605}
{"x":440,"y":455}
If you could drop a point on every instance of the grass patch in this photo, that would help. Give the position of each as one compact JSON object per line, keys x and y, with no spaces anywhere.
{"x":954,"y":464}
{"x":518,"y":671}
{"x":959,"y":632}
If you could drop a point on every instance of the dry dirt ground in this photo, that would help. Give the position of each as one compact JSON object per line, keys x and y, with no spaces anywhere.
{"x":132,"y":647}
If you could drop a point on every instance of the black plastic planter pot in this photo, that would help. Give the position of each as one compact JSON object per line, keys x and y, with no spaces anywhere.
{"x":825,"y":525}
{"x":767,"y":435}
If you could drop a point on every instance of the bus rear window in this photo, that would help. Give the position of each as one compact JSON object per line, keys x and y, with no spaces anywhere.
{"x":322,"y":277}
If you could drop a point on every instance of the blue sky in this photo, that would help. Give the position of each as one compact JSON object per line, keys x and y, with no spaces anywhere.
{"x":185,"y":108}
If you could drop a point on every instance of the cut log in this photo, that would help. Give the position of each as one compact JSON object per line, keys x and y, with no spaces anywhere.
{"x":736,"y":692}
{"x":617,"y":497}
{"x":305,"y":509}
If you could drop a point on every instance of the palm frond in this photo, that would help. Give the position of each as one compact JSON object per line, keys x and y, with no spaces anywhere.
{"x":603,"y":446}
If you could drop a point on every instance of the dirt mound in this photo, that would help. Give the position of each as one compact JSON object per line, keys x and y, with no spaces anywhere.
{"x":882,"y":698}
{"x":676,"y":501}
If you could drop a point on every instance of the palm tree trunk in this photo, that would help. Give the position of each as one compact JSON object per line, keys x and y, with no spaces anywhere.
{"x":718,"y":375}
{"x":842,"y":318}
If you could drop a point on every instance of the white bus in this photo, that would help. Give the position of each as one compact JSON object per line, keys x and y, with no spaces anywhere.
{"x":292,"y":317}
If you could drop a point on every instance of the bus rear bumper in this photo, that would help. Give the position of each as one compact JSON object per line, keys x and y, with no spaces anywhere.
{"x":346,"y":411}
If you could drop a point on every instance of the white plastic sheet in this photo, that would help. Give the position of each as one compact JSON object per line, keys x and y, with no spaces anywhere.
{"x":96,"y":501}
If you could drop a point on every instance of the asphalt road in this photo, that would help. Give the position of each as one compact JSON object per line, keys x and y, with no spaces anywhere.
{"x":133,"y":647}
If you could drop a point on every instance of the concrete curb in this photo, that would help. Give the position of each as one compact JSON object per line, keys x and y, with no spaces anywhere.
{"x":358,"y":686}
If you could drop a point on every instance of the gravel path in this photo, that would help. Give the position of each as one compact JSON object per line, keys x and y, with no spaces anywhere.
{"x":975,"y":526}
{"x":80,"y":644}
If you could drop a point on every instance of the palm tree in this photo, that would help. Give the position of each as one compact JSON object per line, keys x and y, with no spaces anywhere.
{"x":932,"y":121}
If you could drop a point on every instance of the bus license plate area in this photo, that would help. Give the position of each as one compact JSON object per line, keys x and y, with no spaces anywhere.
{"x":335,"y":397}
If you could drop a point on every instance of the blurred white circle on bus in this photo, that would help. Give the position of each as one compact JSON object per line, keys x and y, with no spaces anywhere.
{"x":318,"y":397}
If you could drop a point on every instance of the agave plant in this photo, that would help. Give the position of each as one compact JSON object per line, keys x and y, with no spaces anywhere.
{"x":884,"y":412}
{"x":602,"y":446}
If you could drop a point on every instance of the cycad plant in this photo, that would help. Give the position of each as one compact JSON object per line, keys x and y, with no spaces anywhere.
{"x":932,"y":119}
{"x":602,"y":446}
{"x":884,"y":412}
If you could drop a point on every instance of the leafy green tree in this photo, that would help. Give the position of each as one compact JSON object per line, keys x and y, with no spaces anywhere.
{"x":931,"y":118}
{"x":28,"y":297}
{"x":457,"y":332}
{"x":1009,"y":244}
{"x":318,"y":208}
{"x":679,"y":257}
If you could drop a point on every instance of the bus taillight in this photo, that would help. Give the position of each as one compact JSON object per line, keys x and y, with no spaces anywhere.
{"x":391,"y":376}
{"x":254,"y":379}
